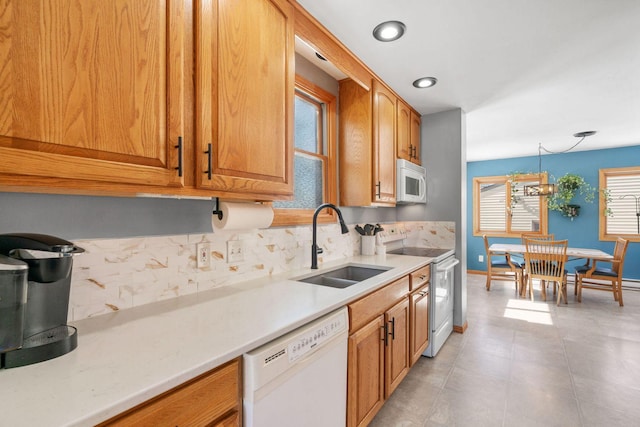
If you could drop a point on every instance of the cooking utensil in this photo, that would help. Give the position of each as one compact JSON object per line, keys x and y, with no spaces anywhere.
{"x":360,"y":230}
{"x":378,"y":228}
{"x":368,"y":229}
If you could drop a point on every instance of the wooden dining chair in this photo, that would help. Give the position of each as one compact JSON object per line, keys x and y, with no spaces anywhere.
{"x":535,"y":236}
{"x":501,"y":267}
{"x":545,"y":261}
{"x":603,"y":278}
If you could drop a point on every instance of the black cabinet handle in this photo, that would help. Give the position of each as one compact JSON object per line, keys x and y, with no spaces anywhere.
{"x":209,"y":153}
{"x":410,"y":151}
{"x":378,"y":189}
{"x":179,"y":147}
{"x":393,"y":328}
{"x":385,"y":334}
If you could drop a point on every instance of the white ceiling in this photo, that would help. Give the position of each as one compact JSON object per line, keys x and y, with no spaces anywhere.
{"x":524,"y":71}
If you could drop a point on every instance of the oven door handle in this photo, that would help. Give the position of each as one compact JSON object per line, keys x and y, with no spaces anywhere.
{"x":447,"y":264}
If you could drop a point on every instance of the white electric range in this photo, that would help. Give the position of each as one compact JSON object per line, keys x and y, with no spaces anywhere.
{"x":441,"y":288}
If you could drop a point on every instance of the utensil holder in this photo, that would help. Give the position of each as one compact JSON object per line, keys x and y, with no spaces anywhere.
{"x":368,"y":245}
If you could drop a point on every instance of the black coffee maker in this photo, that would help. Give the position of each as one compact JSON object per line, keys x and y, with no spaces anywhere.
{"x":45,"y":333}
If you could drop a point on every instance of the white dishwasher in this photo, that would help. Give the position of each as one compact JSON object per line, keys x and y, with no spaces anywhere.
{"x":299,"y":378}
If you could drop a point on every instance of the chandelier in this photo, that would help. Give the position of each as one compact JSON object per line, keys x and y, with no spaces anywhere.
{"x":547,"y":189}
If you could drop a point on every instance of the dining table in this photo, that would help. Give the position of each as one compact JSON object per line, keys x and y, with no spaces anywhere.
{"x":572,"y":253}
{"x":587,"y":254}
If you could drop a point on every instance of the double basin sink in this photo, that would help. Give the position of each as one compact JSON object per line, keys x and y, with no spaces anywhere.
{"x":344,"y":277}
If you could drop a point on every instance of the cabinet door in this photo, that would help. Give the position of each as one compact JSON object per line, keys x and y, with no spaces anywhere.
{"x":397,"y":348}
{"x":355,"y":145}
{"x":365,"y":384}
{"x":403,"y":135}
{"x":91,"y":90}
{"x":415,"y":137}
{"x":419,"y":326}
{"x":384,"y":145}
{"x":245,"y":80}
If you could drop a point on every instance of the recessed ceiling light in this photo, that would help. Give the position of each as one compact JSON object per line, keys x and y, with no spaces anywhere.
{"x":389,"y":31}
{"x":425,"y":82}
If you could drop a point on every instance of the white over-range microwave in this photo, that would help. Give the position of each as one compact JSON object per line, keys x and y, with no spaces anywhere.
{"x":411,"y":182}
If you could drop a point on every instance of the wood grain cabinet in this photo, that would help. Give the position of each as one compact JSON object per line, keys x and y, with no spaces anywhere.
{"x":419,"y":312}
{"x":245,"y":77}
{"x":92,"y":90}
{"x":367,"y":145}
{"x":378,"y":349}
{"x":97,"y":95}
{"x":414,"y":135}
{"x":384,"y":144}
{"x":408,"y":133}
{"x":213,"y":399}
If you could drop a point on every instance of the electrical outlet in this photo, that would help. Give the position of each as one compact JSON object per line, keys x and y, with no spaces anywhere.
{"x":480,"y":258}
{"x":203,"y":252}
{"x":235,"y":251}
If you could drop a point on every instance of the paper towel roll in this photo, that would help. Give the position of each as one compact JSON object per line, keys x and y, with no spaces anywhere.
{"x":242,"y":216}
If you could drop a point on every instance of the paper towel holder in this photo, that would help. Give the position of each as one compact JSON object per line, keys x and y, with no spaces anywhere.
{"x":217,"y":210}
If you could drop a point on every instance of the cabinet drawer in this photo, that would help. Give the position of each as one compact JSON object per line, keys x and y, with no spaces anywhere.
{"x":370,"y":306}
{"x":199,"y":402}
{"x":420,"y":277}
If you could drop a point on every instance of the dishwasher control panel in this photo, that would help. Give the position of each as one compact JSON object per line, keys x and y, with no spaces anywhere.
{"x":315,"y":337}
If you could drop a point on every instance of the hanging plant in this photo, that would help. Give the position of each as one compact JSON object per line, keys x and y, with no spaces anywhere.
{"x":568,"y":186}
{"x":606,"y":197}
{"x":514,"y":180}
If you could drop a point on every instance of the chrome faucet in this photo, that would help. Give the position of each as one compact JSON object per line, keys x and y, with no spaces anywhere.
{"x":315,"y":250}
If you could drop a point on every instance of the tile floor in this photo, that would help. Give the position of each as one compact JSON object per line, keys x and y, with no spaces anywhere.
{"x":528,"y":364}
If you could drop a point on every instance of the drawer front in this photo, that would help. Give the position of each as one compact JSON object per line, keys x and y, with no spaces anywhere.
{"x":376,"y":303}
{"x":199,"y":402}
{"x":420,"y":277}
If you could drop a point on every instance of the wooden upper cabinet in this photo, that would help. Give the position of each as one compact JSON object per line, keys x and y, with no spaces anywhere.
{"x":367,"y":145}
{"x":92,"y":90}
{"x":354,"y":145}
{"x":408,"y":133}
{"x":414,"y":134}
{"x":403,"y":135}
{"x":384,"y":145}
{"x":245,"y":79}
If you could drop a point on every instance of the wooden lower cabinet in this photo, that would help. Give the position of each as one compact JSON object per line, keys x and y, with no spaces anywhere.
{"x":365,"y":384}
{"x":419,"y":312}
{"x":378,"y":350}
{"x":397,"y":349}
{"x":212,"y":399}
{"x":389,"y":330}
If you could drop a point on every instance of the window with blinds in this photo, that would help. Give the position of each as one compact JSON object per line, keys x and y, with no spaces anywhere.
{"x":501,"y":209}
{"x":620,"y":203}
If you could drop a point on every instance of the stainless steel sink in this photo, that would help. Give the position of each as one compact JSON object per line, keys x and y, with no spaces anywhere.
{"x":344,"y":277}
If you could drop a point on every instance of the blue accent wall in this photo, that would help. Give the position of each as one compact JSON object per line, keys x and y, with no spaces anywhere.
{"x":583,"y":231}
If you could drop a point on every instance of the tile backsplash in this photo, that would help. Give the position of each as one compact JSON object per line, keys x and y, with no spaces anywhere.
{"x":116,"y":274}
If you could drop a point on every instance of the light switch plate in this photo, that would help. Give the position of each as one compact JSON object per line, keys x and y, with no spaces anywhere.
{"x":203,"y":251}
{"x":235,"y":251}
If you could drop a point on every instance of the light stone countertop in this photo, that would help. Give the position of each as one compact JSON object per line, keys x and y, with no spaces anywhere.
{"x":128,"y":357}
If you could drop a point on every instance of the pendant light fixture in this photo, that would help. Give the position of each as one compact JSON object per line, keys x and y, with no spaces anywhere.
{"x":547,"y":189}
{"x":540,"y":189}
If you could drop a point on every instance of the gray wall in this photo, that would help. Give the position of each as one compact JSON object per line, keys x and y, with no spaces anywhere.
{"x":88,"y":217}
{"x":443,"y":154}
